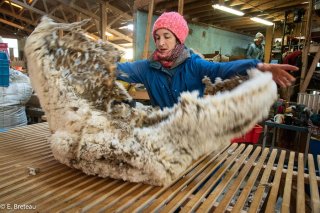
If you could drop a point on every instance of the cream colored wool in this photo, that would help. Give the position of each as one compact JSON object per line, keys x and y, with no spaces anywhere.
{"x":75,"y":81}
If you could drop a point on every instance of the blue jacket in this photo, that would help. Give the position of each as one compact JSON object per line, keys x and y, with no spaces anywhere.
{"x":164,"y":86}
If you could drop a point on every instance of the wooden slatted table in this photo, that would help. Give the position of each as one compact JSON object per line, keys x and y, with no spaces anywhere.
{"x":238,"y":178}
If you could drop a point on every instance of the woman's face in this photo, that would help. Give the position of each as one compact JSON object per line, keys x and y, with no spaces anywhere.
{"x":165,"y":40}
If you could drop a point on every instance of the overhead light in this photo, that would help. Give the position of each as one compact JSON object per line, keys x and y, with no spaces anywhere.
{"x":126,"y":45}
{"x":108,"y":34}
{"x":128,"y":55}
{"x":129,"y":27}
{"x":89,"y":36}
{"x":262,"y":21}
{"x":13,"y":4}
{"x":228,"y":9}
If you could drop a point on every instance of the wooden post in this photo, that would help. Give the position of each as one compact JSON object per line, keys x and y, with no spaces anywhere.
{"x":180,"y":7}
{"x":148,"y":29}
{"x":60,"y":33}
{"x":306,"y":46}
{"x":268,"y":46}
{"x":103,"y":22}
{"x":305,"y":83}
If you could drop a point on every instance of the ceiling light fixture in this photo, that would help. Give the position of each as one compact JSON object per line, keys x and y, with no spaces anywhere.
{"x":262,"y":21}
{"x":13,"y":4}
{"x":108,"y":34}
{"x":129,"y":27}
{"x":228,"y":9}
{"x":89,"y":36}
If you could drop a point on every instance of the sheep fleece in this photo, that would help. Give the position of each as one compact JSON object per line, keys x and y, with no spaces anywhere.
{"x":74,"y":79}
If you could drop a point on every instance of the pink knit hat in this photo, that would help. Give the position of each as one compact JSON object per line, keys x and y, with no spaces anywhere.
{"x":174,"y":22}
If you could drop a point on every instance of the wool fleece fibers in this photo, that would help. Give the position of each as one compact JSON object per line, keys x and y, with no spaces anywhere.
{"x":95,"y":130}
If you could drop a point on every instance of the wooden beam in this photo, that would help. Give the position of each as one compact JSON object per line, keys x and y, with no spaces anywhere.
{"x":268,"y":43}
{"x":120,"y":35}
{"x":200,"y":9}
{"x":61,"y":20}
{"x":180,"y":7}
{"x":148,"y":29}
{"x":28,"y":21}
{"x":25,"y":5}
{"x":15,"y":25}
{"x":139,"y":4}
{"x":60,"y":33}
{"x":236,"y":3}
{"x":103,"y":21}
{"x":312,"y":68}
{"x":94,"y":16}
{"x":170,"y":5}
{"x":113,"y":21}
{"x":306,"y":48}
{"x":119,"y":12}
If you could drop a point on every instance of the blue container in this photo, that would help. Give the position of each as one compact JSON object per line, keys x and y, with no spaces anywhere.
{"x":4,"y":69}
{"x":3,"y":55}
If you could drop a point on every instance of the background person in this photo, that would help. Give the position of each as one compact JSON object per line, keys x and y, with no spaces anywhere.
{"x":256,"y":49}
{"x":13,"y":100}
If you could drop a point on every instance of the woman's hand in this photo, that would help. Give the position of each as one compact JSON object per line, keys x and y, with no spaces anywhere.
{"x":279,"y":72}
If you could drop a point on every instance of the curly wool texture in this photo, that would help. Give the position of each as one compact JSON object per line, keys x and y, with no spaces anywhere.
{"x":75,"y":81}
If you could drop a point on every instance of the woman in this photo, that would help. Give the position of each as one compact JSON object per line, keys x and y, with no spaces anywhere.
{"x":174,"y":68}
{"x":13,"y":99}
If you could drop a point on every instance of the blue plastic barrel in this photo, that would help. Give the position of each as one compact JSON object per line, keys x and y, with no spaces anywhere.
{"x":4,"y":69}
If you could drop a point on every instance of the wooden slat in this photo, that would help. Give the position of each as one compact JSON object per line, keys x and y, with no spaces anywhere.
{"x":275,"y":184}
{"x":14,"y":162}
{"x":143,"y":199}
{"x":315,"y":201}
{"x":263,"y":183}
{"x":23,"y":190}
{"x":148,"y":30}
{"x":126,"y":201}
{"x":285,"y":207}
{"x":116,"y":197}
{"x":160,"y":201}
{"x":25,"y":131}
{"x":15,"y":178}
{"x":83,"y":196}
{"x":105,"y":201}
{"x":195,"y":201}
{"x":58,"y":188}
{"x":216,"y":175}
{"x":198,"y":167}
{"x":54,"y":190}
{"x":211,"y":199}
{"x":300,"y":186}
{"x":16,"y":169}
{"x":250,"y":183}
{"x":189,"y":175}
{"x":295,"y":174}
{"x":82,"y":202}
